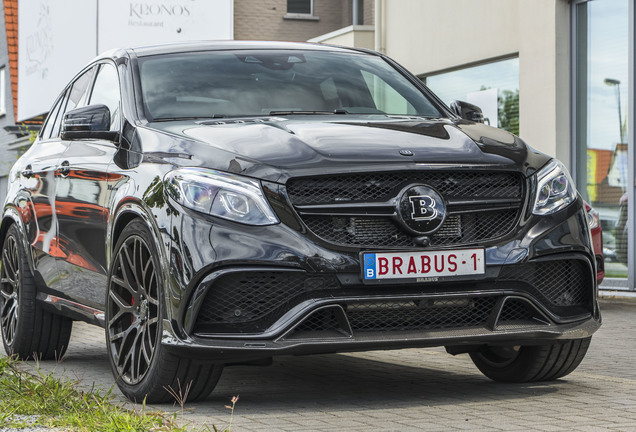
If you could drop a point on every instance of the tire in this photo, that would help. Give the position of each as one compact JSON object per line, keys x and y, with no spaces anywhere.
{"x":531,"y":363}
{"x":28,"y":331}
{"x":135,"y":310}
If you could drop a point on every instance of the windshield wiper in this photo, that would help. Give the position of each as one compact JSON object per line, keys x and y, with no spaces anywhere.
{"x":214,"y":116}
{"x":302,"y":112}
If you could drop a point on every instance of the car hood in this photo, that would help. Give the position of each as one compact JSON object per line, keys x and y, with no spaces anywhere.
{"x":277,"y":148}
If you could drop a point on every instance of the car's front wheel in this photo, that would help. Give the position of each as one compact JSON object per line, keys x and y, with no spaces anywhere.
{"x":28,"y":331}
{"x":531,"y":363}
{"x":135,"y":310}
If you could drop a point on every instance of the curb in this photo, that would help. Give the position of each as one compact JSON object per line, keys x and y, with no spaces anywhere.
{"x":617,"y":296}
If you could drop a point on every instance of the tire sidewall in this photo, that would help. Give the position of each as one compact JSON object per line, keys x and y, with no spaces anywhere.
{"x":26,"y":297}
{"x":148,"y":383}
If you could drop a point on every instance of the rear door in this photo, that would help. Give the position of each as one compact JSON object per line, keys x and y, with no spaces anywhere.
{"x":39,"y":181}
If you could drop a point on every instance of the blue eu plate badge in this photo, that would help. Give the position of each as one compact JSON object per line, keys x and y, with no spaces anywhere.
{"x":369,"y":266}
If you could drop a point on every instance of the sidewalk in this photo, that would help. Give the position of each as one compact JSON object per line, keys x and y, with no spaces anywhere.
{"x":617,"y":296}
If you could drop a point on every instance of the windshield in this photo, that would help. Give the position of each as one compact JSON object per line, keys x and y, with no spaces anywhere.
{"x":271,"y":82}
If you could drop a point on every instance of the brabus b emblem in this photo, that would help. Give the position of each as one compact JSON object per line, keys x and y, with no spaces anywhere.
{"x":423,"y":207}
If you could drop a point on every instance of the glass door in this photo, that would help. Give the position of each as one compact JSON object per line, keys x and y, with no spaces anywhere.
{"x":601,"y":89}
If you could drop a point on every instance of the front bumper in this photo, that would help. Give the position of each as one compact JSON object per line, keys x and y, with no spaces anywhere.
{"x":266,"y":291}
{"x":498,"y":318}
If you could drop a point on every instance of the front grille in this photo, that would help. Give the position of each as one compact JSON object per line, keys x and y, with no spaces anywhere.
{"x":384,"y":232}
{"x":563,"y":283}
{"x":379,"y":187}
{"x":483,"y":206}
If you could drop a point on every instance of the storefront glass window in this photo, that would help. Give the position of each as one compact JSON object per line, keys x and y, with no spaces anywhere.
{"x":601,"y":69}
{"x":494,"y":87}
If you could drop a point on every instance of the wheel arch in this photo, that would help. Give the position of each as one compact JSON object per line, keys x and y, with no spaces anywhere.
{"x":128,"y":211}
{"x":11,"y":217}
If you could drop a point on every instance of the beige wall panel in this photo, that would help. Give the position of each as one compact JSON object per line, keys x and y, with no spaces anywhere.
{"x":432,"y":35}
{"x":352,"y":36}
{"x":429,"y":36}
{"x":544,"y":77}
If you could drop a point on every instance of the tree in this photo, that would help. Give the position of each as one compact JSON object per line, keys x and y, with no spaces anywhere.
{"x":508,"y":110}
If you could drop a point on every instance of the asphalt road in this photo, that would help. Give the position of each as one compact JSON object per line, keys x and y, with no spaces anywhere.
{"x":406,"y":390}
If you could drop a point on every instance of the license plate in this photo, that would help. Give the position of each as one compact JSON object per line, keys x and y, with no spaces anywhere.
{"x":429,"y":264}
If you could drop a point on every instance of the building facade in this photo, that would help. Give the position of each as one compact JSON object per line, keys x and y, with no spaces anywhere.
{"x":560,"y":73}
{"x":297,"y":20}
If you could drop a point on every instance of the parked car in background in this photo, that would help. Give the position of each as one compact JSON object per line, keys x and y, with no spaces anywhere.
{"x":227,"y":202}
{"x":594,"y":222}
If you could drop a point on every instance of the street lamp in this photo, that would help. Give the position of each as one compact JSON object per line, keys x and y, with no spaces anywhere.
{"x":617,"y":83}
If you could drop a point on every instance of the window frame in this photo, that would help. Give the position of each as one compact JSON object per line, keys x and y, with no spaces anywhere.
{"x":628,"y":283}
{"x":3,"y":90}
{"x":97,"y":69}
{"x":301,"y":15}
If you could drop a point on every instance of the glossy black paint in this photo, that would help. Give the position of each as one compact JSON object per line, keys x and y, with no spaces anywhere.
{"x":72,"y":196}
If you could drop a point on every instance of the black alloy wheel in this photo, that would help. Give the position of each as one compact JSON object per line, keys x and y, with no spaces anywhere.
{"x":9,"y":289}
{"x":28,"y":331}
{"x":143,"y":368}
{"x":133,"y":304}
{"x":531,"y":363}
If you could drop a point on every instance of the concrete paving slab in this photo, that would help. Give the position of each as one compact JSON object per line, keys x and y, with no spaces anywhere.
{"x":405,"y":390}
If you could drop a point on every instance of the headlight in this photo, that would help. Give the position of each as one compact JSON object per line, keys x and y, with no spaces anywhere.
{"x":219,"y":194}
{"x":555,"y":189}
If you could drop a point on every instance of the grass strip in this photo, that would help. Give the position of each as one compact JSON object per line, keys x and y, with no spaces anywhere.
{"x":34,"y":399}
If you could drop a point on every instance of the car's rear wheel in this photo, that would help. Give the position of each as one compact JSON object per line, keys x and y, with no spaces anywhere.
{"x":28,"y":331}
{"x":135,"y":310}
{"x":531,"y":363}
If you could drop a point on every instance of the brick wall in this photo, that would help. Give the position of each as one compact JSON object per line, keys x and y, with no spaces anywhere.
{"x":265,"y":20}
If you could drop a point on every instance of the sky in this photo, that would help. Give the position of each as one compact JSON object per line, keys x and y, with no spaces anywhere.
{"x":608,"y":53}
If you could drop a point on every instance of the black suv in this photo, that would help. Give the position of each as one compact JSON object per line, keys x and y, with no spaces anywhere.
{"x":224,"y":203}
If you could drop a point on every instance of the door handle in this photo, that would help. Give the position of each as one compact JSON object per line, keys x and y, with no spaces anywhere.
{"x":64,"y":169}
{"x":27,"y":171}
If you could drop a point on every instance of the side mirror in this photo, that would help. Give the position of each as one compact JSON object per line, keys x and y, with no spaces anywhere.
{"x":467,"y":111}
{"x":91,"y":121}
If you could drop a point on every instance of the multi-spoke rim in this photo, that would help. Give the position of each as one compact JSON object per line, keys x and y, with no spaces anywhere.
{"x":133,"y":310}
{"x":9,"y":289}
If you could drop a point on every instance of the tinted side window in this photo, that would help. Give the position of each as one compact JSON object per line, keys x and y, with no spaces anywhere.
{"x":77,"y":95}
{"x":58,"y":119}
{"x":51,"y":119}
{"x":106,"y":91}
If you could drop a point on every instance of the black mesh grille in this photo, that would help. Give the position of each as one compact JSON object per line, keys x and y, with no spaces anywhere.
{"x":378,"y":187}
{"x":252,"y":301}
{"x":323,"y":323}
{"x":383,"y":232}
{"x":472,"y":218}
{"x":323,"y":319}
{"x":516,"y":310}
{"x":560,"y":282}
{"x":419,"y":314}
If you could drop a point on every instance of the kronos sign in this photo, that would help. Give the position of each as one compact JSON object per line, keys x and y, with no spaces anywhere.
{"x":59,"y":36}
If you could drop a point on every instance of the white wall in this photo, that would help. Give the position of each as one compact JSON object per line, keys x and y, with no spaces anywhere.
{"x":430,"y":36}
{"x":58,"y":37}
